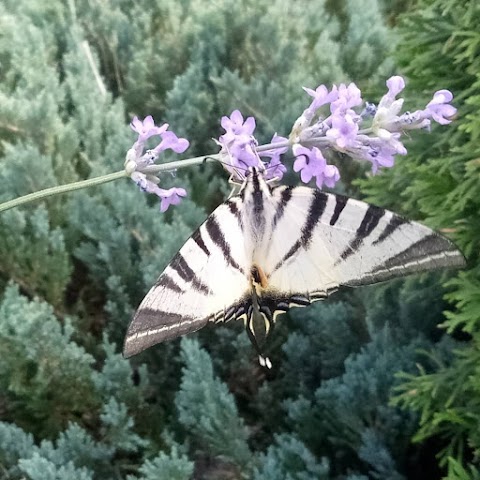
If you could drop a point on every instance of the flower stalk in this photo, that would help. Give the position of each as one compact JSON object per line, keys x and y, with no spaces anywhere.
{"x":59,"y":189}
{"x":92,"y":182}
{"x":336,"y":120}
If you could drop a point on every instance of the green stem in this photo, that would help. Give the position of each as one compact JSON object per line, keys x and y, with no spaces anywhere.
{"x":70,"y":187}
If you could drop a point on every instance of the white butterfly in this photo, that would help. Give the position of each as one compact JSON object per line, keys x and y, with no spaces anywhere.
{"x":269,"y":249}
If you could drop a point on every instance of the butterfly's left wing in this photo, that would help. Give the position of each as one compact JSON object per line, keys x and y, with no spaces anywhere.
{"x":207,"y":280}
{"x":320,"y":241}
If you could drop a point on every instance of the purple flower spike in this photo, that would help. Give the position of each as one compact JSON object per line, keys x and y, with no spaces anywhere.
{"x":243,"y":154}
{"x":172,"y":196}
{"x":395,"y":85}
{"x":238,"y":144}
{"x":382,"y":157}
{"x":147,"y":128}
{"x":148,"y":184}
{"x":138,"y":160}
{"x":439,"y":109}
{"x":140,"y":179}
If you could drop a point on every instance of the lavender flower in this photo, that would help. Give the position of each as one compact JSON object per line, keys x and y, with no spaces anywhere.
{"x":239,"y":148}
{"x":439,"y":109}
{"x":321,"y":96}
{"x":275,"y":168}
{"x":172,"y":196}
{"x":311,"y":163}
{"x":395,"y":85}
{"x":348,"y":97}
{"x":344,"y":130}
{"x":336,"y":120}
{"x":238,"y":140}
{"x":138,"y":159}
{"x":146,"y":128}
{"x":236,"y":125}
{"x":386,"y":119}
{"x":379,"y":152}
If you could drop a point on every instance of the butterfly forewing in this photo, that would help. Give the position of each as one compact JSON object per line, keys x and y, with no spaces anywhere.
{"x":201,"y":284}
{"x":298,"y":264}
{"x":344,"y":241}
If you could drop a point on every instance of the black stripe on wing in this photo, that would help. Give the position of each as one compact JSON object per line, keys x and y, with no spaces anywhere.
{"x":181,"y":266}
{"x":150,"y":327}
{"x":433,"y":247}
{"x":285,"y":197}
{"x":315,"y":212}
{"x":257,"y":195}
{"x":198,"y":239}
{"x":429,"y":253}
{"x":340,"y":204}
{"x":232,"y":205}
{"x":218,"y":238}
{"x":395,"y":223}
{"x":167,"y":281}
{"x":369,"y":222}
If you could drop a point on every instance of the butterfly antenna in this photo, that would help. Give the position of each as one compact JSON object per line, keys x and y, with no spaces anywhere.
{"x":236,"y":168}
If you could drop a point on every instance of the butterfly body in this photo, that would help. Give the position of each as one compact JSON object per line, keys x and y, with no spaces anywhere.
{"x":271,"y":248}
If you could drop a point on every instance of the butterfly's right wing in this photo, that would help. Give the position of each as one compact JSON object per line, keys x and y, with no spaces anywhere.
{"x":207,"y":280}
{"x":320,"y":241}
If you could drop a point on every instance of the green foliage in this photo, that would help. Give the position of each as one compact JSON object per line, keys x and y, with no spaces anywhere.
{"x":316,"y":350}
{"x":14,"y":444}
{"x":415,"y":305}
{"x":290,"y":459}
{"x":207,"y":409}
{"x":48,"y":383}
{"x":364,"y":47}
{"x":34,"y":254}
{"x":118,"y":427}
{"x":350,"y":412}
{"x":39,"y":468}
{"x":374,"y":452}
{"x":166,"y":467}
{"x":454,"y":405}
{"x":44,"y":376}
{"x":440,"y":48}
{"x":456,"y":471}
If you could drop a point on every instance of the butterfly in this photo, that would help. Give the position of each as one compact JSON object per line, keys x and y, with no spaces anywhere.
{"x":269,"y":249}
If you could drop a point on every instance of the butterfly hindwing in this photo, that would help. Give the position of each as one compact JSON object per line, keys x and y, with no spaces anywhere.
{"x":204,"y":282}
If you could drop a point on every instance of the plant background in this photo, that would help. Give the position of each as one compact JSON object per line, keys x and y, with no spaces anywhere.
{"x":73,"y":268}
